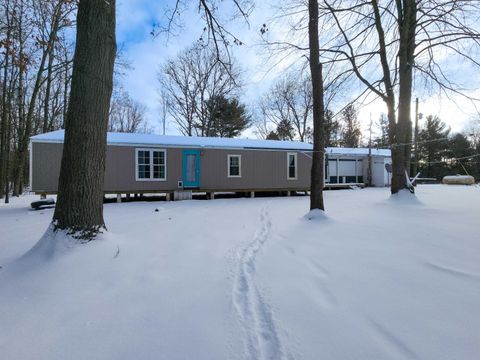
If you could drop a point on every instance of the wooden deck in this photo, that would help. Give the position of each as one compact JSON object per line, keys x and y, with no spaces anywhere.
{"x":344,"y":186}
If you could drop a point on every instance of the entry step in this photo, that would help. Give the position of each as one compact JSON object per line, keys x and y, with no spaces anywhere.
{"x":182,"y":195}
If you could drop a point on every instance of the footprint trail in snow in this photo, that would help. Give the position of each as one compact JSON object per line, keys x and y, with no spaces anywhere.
{"x":261,"y":337}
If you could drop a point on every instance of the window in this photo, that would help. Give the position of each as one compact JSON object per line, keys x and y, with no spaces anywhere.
{"x":350,"y":179}
{"x":234,"y":165}
{"x":151,"y":165}
{"x":292,"y":166}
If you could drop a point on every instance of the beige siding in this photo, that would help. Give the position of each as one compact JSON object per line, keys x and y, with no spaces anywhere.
{"x":120,"y":171}
{"x":46,"y":160}
{"x":261,"y":169}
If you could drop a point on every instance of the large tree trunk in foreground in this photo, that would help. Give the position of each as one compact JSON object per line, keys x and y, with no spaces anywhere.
{"x":400,"y":126}
{"x":401,"y":151}
{"x":317,"y":174}
{"x":79,"y":207}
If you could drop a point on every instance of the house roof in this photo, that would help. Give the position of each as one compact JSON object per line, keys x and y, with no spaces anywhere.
{"x":357,"y":151}
{"x":184,"y":141}
{"x":210,"y":142}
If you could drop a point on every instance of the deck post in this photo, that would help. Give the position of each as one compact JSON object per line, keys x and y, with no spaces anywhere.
{"x":43,"y":196}
{"x":128,"y":196}
{"x":289,"y":193}
{"x":168,"y":196}
{"x":252,"y":194}
{"x":211,"y":195}
{"x":119,"y":198}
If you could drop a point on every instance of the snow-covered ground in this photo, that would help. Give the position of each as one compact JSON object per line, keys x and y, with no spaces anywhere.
{"x":376,"y":278}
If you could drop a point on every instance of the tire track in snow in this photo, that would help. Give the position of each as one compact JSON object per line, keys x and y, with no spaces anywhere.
{"x":453,"y":271}
{"x":326,"y":297}
{"x":261,"y":337}
{"x":393,"y":342}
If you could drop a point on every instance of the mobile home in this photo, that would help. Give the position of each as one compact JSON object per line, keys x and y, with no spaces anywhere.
{"x":147,"y":163}
{"x":350,"y":166}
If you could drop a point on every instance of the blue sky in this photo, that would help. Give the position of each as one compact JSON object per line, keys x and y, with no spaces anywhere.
{"x":146,"y":53}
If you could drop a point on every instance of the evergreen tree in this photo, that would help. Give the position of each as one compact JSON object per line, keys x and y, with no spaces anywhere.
{"x":351,"y":132}
{"x":433,"y":147}
{"x":272,"y":135}
{"x":332,"y":130}
{"x":381,"y":141}
{"x":285,"y":130}
{"x":460,"y":147}
{"x":226,"y":117}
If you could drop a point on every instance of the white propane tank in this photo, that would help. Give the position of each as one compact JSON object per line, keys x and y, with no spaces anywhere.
{"x":458,"y":180}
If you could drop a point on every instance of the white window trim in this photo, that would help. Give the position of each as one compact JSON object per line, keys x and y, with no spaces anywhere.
{"x":151,"y":150}
{"x":229,"y":156}
{"x":296,"y":166}
{"x":30,"y":166}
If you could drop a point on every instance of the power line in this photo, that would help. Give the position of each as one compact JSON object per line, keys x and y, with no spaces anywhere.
{"x":419,"y":142}
{"x":449,"y":160}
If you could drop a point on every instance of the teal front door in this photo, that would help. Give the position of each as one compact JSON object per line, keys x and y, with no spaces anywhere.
{"x":191,"y":168}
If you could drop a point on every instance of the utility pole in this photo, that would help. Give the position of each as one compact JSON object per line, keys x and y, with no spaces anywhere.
{"x":164,"y":106}
{"x":415,"y":140}
{"x":369,"y":173}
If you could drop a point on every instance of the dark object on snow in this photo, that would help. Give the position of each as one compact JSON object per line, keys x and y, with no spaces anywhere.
{"x":38,"y":204}
{"x":156,"y":210}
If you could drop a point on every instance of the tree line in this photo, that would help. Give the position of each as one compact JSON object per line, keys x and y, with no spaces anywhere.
{"x":36,"y":58}
{"x":441,"y":152}
{"x":35,"y":75}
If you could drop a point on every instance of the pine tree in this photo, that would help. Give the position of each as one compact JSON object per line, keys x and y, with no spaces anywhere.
{"x":272,"y":135}
{"x":351,"y":132}
{"x":332,"y":130}
{"x":285,"y":130}
{"x":460,"y":147}
{"x":226,"y":117}
{"x":433,"y":147}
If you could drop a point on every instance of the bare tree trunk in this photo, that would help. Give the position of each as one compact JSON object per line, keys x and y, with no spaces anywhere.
{"x":16,"y":171}
{"x":4,"y":118}
{"x":79,"y":207}
{"x":66,"y":86}
{"x":7,"y":159}
{"x":401,"y":152}
{"x":46,"y":102}
{"x":317,"y":174}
